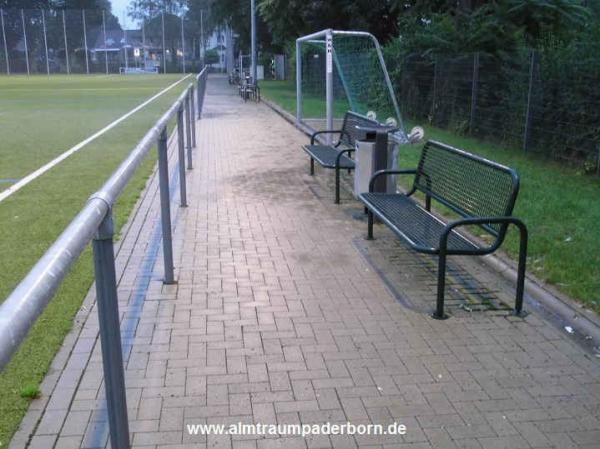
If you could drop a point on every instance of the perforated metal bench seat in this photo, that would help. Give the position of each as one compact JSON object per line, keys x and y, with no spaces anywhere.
{"x":326,"y":156}
{"x":481,"y":192}
{"x":411,"y":222}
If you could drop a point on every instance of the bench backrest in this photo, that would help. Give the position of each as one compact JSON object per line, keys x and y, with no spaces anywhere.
{"x":351,"y":133}
{"x":468,"y":184}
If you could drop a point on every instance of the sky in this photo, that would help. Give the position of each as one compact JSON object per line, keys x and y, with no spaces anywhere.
{"x":119,"y":9}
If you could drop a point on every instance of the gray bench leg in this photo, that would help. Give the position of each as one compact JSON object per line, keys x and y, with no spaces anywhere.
{"x":312,"y":166}
{"x":369,"y":225}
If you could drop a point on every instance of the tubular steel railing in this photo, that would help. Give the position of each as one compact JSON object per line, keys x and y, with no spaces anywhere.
{"x":94,"y":223}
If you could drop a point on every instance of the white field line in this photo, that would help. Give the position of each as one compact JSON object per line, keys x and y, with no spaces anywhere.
{"x":43,"y":169}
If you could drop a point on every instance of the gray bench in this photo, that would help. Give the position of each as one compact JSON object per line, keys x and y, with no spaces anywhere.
{"x":338,"y":155}
{"x":481,"y":192}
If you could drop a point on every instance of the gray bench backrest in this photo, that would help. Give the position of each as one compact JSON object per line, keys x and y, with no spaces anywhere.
{"x":351,"y":134}
{"x":468,"y":184}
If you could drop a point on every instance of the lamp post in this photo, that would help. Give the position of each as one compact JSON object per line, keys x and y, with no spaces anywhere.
{"x":253,"y":37}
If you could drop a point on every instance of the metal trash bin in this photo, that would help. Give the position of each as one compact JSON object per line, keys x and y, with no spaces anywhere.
{"x":374,"y":152}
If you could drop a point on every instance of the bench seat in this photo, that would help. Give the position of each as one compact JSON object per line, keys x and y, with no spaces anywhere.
{"x":327,"y":155}
{"x":411,"y":222}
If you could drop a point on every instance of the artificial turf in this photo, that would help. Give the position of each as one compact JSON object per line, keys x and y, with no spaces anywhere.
{"x":558,"y":203}
{"x":41,"y":117}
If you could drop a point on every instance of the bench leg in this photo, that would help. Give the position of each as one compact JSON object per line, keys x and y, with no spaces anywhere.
{"x":441,"y":286}
{"x":521,"y":271}
{"x":337,"y":185}
{"x":312,"y":166}
{"x":369,"y":225}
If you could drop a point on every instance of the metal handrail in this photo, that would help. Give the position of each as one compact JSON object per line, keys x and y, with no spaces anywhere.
{"x":94,"y":223}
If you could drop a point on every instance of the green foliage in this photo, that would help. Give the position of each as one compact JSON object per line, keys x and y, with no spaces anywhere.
{"x":30,"y":391}
{"x":211,"y":56}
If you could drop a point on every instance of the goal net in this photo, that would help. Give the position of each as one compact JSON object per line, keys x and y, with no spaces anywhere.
{"x":358,"y":80}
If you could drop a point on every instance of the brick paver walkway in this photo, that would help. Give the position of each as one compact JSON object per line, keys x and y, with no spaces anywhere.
{"x":283,"y":313}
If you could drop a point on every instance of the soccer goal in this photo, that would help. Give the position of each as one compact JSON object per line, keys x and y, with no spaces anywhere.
{"x":337,"y":71}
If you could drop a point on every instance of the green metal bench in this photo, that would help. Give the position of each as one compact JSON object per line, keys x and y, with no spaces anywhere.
{"x":337,"y":156}
{"x":481,"y":192}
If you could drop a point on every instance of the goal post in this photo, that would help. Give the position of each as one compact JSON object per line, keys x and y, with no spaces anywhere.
{"x":343,"y":70}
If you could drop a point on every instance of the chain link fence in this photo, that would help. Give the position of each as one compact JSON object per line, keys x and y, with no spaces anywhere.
{"x":36,"y":41}
{"x":541,"y":103}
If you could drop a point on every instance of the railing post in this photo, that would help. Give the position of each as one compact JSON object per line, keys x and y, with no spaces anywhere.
{"x":188,"y":130}
{"x":165,"y":206}
{"x":110,"y":335}
{"x":198,"y":92}
{"x":181,"y":151}
{"x":192,"y":122}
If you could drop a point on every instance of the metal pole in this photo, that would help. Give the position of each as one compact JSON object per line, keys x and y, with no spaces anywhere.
{"x":182,"y":46}
{"x":45,"y":41}
{"x":66,"y":44}
{"x":202,"y":36}
{"x":87,"y":62}
{"x":193,"y":123}
{"x":5,"y":44}
{"x":164,"y":51}
{"x":105,"y":49}
{"x":298,"y":83}
{"x":474,"y":91}
{"x":188,"y":130}
{"x":25,"y":41}
{"x":110,"y":336}
{"x":144,"y":42}
{"x":329,"y":82}
{"x":165,"y":206}
{"x":434,"y":93}
{"x":198,"y":93}
{"x":253,"y":38}
{"x":529,"y":97}
{"x":181,"y":153}
{"x":125,"y":49}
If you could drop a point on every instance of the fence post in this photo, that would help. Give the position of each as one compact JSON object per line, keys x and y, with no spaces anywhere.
{"x":5,"y":44}
{"x":164,"y":50}
{"x":45,"y":42}
{"x":532,"y":63}
{"x":181,"y":153}
{"x":110,"y":335}
{"x":474,"y":86}
{"x":87,"y":62}
{"x":165,"y":206}
{"x":66,"y":44}
{"x":105,"y":49}
{"x":198,"y":92}
{"x":192,"y":122}
{"x":434,"y":89}
{"x":25,"y":41}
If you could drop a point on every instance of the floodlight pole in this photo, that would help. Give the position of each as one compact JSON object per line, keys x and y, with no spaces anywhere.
{"x":87,"y":62}
{"x":105,"y":49}
{"x":182,"y":46}
{"x":5,"y":44}
{"x":202,"y":36}
{"x":66,"y":44}
{"x":329,"y":82}
{"x":162,"y":18}
{"x":25,"y":41}
{"x":45,"y":41}
{"x":253,"y":38}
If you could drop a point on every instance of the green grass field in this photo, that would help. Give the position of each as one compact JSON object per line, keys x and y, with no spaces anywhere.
{"x":40,"y":118}
{"x":559,"y":204}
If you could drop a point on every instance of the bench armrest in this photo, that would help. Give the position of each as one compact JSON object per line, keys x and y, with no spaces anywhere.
{"x":377,"y":174}
{"x":484,"y":220}
{"x":341,"y":132}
